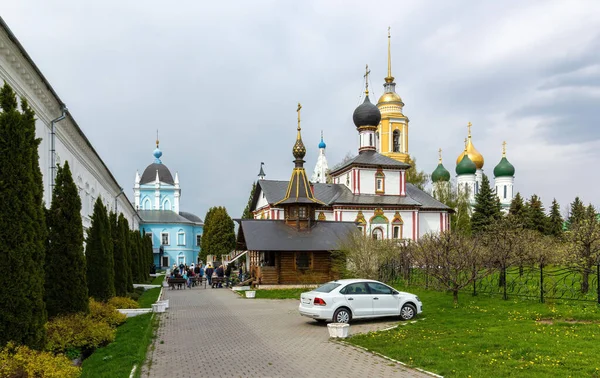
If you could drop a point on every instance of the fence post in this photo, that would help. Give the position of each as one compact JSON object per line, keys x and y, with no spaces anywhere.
{"x":542,"y":282}
{"x":504,"y":282}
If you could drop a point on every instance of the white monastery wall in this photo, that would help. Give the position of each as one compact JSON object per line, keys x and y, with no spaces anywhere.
{"x":429,"y":222}
{"x":90,"y":174}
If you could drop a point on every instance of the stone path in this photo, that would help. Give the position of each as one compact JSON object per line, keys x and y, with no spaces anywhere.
{"x":216,"y":333}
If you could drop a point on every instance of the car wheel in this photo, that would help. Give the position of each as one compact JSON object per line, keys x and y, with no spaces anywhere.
{"x":408,"y":311}
{"x":342,"y":315}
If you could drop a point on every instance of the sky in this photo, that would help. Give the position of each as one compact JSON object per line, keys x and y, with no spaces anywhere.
{"x":220,"y":81}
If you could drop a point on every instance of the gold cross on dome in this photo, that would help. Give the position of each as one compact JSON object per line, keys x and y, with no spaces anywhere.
{"x":469,"y":127}
{"x":298,"y":110}
{"x":440,"y":154}
{"x":366,"y":76}
{"x":504,"y":148}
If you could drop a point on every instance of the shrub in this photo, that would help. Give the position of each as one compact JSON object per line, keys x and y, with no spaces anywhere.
{"x":78,"y":332}
{"x":139,"y":290}
{"x":106,"y":313}
{"x":134,"y":296}
{"x":20,"y":361}
{"x":123,"y":302}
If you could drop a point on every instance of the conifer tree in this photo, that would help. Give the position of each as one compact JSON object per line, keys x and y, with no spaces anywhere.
{"x":555,"y":220}
{"x":99,"y":255}
{"x":22,"y":226}
{"x":577,"y":212}
{"x":535,"y":215}
{"x":517,"y":210}
{"x":206,"y":236}
{"x":487,"y":207}
{"x":66,"y":283}
{"x":247,"y":212}
{"x":127,"y":261}
{"x":218,"y":237}
{"x":119,"y":250}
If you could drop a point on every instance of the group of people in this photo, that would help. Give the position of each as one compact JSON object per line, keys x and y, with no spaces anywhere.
{"x":221,"y":273}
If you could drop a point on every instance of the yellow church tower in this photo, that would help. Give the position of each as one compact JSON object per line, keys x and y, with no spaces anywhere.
{"x":392,"y":134}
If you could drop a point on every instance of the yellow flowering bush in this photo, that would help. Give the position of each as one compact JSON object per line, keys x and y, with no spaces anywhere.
{"x":123,"y":302}
{"x":78,"y":332}
{"x":20,"y":361}
{"x":106,"y":313}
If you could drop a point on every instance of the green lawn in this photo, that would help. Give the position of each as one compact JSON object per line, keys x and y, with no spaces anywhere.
{"x":488,"y":337}
{"x":158,"y":280}
{"x":279,"y":293}
{"x":129,"y":349}
{"x":149,"y":297}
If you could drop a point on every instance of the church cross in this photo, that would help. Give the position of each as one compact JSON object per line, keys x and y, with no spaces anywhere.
{"x":469,"y":127}
{"x":504,"y":148}
{"x":298,"y":110}
{"x":366,"y":76}
{"x":440,"y":154}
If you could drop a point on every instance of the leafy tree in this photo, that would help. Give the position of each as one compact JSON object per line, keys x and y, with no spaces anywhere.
{"x":99,"y":255}
{"x":446,"y":193}
{"x":415,"y":177}
{"x":487,"y":209}
{"x":517,"y":210}
{"x":22,"y":226}
{"x":535,"y":215}
{"x":583,"y":244}
{"x":576,"y":213}
{"x":555,"y":220}
{"x":247,"y":212}
{"x":363,"y":256}
{"x":66,"y":283}
{"x":454,"y":260}
{"x":218,"y":237}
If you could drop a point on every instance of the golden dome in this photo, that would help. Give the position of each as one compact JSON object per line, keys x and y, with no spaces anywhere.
{"x":474,"y":155}
{"x":389,"y":97}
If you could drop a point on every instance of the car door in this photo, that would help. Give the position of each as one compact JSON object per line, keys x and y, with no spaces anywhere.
{"x":359,"y":299}
{"x":384,"y":300}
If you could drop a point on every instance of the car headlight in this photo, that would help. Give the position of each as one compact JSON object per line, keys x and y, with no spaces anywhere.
{"x":417,"y":298}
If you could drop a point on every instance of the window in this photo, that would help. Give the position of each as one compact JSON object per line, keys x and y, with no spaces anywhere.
{"x":355,"y":288}
{"x":378,"y":234}
{"x":165,"y":261}
{"x":180,"y":259}
{"x":377,"y":141}
{"x":396,"y":140}
{"x":198,"y":240}
{"x":181,"y":238}
{"x":396,"y":232}
{"x":293,"y":212}
{"x":149,"y":234}
{"x":504,"y":191}
{"x":377,"y":288}
{"x":476,"y":187}
{"x":164,"y":238}
{"x":379,"y":181}
{"x":302,"y":212}
{"x":348,"y":179}
{"x":360,"y":228}
{"x":327,"y":288}
{"x":370,"y":139}
{"x":302,"y":260}
{"x":379,"y":185}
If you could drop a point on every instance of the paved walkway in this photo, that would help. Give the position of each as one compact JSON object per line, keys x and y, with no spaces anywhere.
{"x":216,"y":333}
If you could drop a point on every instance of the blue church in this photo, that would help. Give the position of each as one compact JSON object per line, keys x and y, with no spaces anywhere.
{"x":175,"y":234}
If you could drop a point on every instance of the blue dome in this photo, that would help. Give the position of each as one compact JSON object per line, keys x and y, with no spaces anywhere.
{"x":322,"y":144}
{"x":157,"y":154}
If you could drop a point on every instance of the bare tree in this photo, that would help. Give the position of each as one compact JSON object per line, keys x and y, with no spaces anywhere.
{"x":583,"y":245}
{"x":364,"y":257}
{"x":453,"y":259}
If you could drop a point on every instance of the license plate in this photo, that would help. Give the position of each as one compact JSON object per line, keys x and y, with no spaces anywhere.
{"x":306,"y":300}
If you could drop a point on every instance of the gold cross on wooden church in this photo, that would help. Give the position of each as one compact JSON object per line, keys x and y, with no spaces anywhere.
{"x":298,"y":110}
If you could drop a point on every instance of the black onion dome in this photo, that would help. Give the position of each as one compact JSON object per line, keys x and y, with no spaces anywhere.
{"x":164,"y":175}
{"x":366,"y":114}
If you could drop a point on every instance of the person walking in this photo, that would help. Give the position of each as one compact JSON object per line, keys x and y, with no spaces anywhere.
{"x":241,"y":275}
{"x":221,"y":274}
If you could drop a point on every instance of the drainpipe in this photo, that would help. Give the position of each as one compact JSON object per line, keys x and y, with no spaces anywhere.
{"x":53,"y":148}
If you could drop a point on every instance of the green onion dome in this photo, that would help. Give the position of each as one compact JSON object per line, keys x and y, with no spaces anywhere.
{"x":504,"y":169}
{"x":440,"y":174}
{"x":466,"y":166}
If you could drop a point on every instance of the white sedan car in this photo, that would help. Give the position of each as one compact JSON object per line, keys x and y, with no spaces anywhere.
{"x":344,"y":300}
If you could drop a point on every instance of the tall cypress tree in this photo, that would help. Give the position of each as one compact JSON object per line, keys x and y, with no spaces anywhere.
{"x":66,"y":283}
{"x":99,"y":255}
{"x":122,"y":268}
{"x":22,"y":226}
{"x":120,"y":260}
{"x":126,"y":235}
{"x":487,"y":209}
{"x":535,"y":215}
{"x":555,"y":220}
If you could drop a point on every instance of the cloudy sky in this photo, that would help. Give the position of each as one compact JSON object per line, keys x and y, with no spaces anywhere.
{"x":221,"y":80}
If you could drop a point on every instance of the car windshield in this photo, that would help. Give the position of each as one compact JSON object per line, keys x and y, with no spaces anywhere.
{"x":327,"y":287}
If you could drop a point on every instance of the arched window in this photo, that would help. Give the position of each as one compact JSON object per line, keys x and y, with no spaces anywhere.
{"x":378,"y":233}
{"x":147,"y":205}
{"x":180,"y":237}
{"x":396,"y":140}
{"x":166,"y":204}
{"x":180,"y":258}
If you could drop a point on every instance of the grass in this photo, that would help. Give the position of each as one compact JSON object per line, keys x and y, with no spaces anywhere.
{"x":129,"y":349}
{"x":279,"y":293}
{"x":149,"y":297}
{"x":487,"y":336}
{"x":158,"y":280}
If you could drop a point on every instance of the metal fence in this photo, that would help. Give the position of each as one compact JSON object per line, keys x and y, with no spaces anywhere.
{"x":535,"y":282}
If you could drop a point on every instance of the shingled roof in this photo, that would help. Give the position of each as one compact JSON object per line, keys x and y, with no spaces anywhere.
{"x":370,"y":159}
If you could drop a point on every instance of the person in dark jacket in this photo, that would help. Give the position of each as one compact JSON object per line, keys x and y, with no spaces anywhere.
{"x":209,"y":273}
{"x":221,"y":274}
{"x":228,"y":275}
